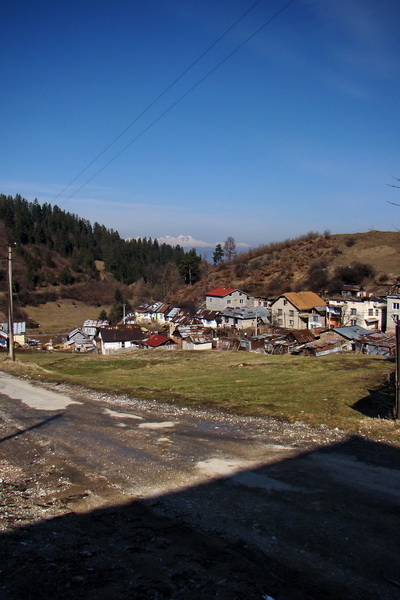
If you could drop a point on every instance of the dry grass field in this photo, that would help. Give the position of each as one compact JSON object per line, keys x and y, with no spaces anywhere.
{"x":58,"y":318}
{"x":349,"y":391}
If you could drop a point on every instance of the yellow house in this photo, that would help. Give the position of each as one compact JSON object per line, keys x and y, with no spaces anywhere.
{"x":299,"y":310}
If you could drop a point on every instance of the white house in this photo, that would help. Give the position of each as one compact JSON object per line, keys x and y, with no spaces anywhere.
{"x":196,"y":342}
{"x":159,"y":311}
{"x":91,"y":326}
{"x":221,"y":298}
{"x":118,"y":339}
{"x":208,"y":318}
{"x":368,"y":312}
{"x":393,"y":311}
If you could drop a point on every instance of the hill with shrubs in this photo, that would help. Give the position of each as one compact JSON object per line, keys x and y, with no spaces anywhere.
{"x":58,"y":256}
{"x":322,"y":263}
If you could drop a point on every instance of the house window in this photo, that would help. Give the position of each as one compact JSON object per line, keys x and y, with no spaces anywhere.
{"x":226,"y":319}
{"x":396,"y":305}
{"x":279,"y":312}
{"x":241,"y":301}
{"x":353,"y":311}
{"x":284,"y":302}
{"x":291,"y":323}
{"x":353,"y":322}
{"x":210,"y":299}
{"x":377,"y":312}
{"x":228,"y":301}
{"x":291,"y":313}
{"x":370,"y":312}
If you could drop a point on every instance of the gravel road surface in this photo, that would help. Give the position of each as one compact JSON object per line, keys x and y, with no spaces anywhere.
{"x":111,"y":497}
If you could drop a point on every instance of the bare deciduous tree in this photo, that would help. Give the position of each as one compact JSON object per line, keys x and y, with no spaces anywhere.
{"x":230,"y":248}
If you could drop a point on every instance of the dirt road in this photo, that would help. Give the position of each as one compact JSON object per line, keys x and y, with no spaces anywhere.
{"x":110,"y":497}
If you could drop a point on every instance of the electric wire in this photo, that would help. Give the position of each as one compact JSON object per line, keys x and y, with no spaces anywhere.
{"x":145,"y":110}
{"x":165,"y":112}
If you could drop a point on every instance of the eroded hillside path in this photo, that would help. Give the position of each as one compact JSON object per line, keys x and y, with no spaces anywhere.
{"x":107,"y":496}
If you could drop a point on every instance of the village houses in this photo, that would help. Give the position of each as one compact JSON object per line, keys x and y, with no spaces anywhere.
{"x":369,"y":312}
{"x":299,"y":310}
{"x":295,"y":322}
{"x":221,"y":298}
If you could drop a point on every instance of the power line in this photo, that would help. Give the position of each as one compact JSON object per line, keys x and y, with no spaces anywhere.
{"x":200,"y":81}
{"x":159,"y":97}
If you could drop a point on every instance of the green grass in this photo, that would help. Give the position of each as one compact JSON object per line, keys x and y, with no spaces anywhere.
{"x":348,"y":391}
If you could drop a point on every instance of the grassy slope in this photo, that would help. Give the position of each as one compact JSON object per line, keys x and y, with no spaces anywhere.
{"x":61,"y":317}
{"x":330,"y":390}
{"x":254,"y":271}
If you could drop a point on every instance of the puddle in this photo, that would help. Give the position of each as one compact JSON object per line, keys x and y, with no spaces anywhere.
{"x":34,"y":397}
{"x":162,"y":425}
{"x":114,"y":413}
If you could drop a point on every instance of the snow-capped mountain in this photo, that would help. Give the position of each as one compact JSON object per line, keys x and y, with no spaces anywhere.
{"x":187,"y":241}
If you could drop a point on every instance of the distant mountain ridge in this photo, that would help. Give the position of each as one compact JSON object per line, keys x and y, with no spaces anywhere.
{"x":188,"y":241}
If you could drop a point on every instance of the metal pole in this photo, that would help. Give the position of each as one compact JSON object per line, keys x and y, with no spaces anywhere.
{"x":10,"y":309}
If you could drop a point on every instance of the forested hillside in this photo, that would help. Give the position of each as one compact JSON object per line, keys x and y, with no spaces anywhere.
{"x":58,"y":255}
{"x":52,"y":247}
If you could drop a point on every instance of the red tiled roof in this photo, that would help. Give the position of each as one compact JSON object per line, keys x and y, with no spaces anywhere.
{"x":220,"y":291}
{"x":158,"y":340}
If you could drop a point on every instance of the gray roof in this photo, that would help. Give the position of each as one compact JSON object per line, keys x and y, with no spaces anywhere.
{"x":121,"y":335}
{"x":246,"y":312}
{"x":353,"y":332}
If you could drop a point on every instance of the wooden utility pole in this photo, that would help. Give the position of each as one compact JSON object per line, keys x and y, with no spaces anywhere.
{"x":397,"y":398}
{"x":10,"y":308}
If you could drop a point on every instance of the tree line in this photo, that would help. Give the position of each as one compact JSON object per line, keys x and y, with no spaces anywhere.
{"x":60,"y":247}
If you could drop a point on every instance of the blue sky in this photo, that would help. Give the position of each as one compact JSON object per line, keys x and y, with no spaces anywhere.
{"x":297,"y":131}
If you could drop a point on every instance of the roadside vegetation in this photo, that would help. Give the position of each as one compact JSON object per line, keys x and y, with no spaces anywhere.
{"x":349,"y":391}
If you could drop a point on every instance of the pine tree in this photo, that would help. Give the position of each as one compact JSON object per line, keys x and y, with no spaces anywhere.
{"x":218,"y":254}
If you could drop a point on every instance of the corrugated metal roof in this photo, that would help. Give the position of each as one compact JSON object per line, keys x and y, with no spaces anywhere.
{"x":302,"y":336}
{"x":247,"y":312}
{"x":352,"y":332}
{"x":379,"y":339}
{"x":208,"y":315}
{"x":95,"y":323}
{"x":18,"y":328}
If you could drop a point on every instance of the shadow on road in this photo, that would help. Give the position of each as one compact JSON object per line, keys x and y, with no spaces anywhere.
{"x":31,"y":428}
{"x":320,"y":525}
